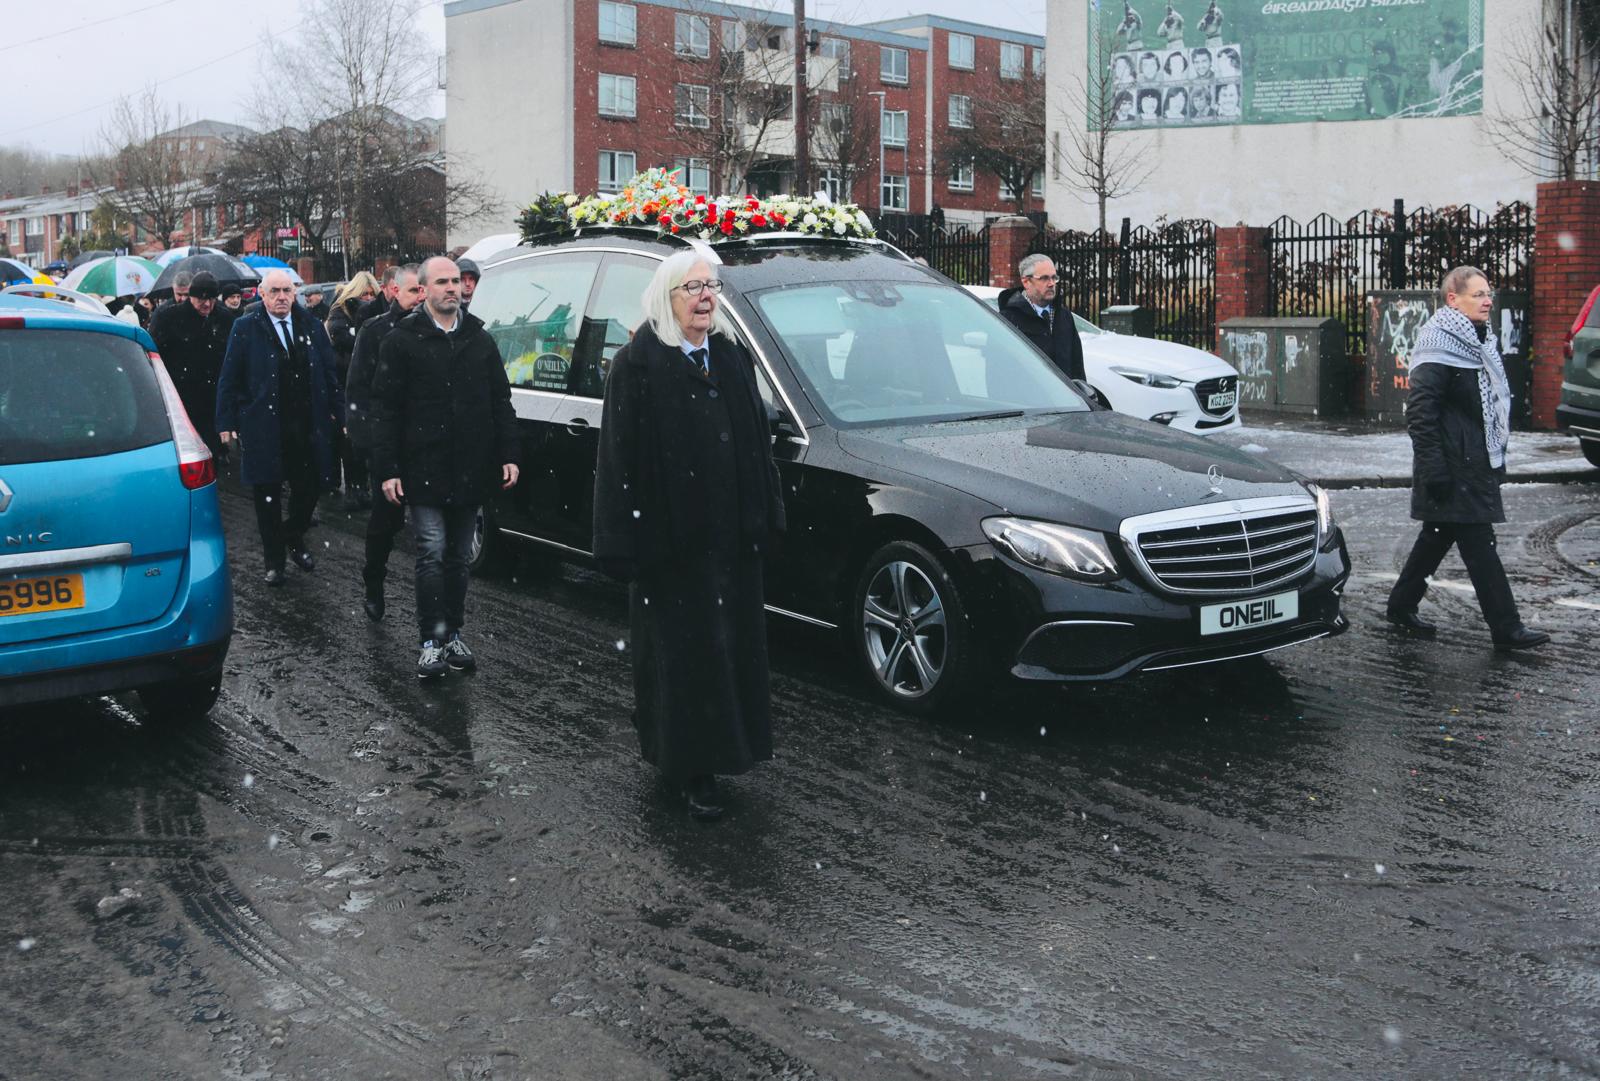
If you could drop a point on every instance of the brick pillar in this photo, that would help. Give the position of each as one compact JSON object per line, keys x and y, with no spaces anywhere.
{"x":1010,"y":238}
{"x":306,"y":267}
{"x":1566,"y":266}
{"x":1243,"y":285}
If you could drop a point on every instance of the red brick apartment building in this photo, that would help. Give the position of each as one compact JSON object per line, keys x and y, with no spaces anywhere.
{"x":540,"y":100}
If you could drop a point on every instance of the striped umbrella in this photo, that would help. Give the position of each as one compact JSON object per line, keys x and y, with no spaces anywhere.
{"x":13,"y":272}
{"x":172,"y":255}
{"x":118,"y":276}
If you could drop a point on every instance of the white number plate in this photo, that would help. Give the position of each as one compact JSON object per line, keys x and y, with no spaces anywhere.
{"x":1245,"y":615}
{"x":1221,"y":401}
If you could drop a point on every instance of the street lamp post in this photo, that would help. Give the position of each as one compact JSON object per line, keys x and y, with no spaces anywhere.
{"x":882,"y":96}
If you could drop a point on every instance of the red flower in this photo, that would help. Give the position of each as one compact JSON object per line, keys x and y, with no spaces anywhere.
{"x":758,"y":219}
{"x":666,"y":219}
{"x":700,"y":200}
{"x":727,"y":228}
{"x":754,"y":203}
{"x":711,"y":213}
{"x":674,"y":227}
{"x":778,"y":218}
{"x":728,"y":217}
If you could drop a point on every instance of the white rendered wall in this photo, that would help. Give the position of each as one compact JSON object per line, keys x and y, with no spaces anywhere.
{"x":509,"y":103}
{"x":1252,"y":174}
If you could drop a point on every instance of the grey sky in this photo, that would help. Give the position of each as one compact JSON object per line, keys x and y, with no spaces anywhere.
{"x":204,"y":55}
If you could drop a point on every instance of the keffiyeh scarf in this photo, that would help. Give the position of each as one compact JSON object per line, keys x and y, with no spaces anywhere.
{"x":1449,"y":338}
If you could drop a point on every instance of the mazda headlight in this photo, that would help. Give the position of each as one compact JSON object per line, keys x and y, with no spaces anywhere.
{"x":1148,"y":379}
{"x":1324,"y":517}
{"x":1058,"y":549}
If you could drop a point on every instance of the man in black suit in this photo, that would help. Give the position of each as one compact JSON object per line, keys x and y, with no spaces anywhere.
{"x":1033,"y":309}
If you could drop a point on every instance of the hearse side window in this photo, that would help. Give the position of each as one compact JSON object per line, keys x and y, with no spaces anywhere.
{"x":532,"y":308}
{"x":615,"y":312}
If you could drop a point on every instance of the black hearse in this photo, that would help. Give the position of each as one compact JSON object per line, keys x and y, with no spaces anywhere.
{"x":956,"y":508}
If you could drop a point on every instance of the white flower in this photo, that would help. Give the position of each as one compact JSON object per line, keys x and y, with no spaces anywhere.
{"x":863,"y":221}
{"x":839,"y":227}
{"x":569,"y":199}
{"x":810,"y":219}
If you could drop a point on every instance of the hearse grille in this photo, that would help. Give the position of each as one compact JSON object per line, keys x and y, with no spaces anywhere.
{"x":1232,"y":555}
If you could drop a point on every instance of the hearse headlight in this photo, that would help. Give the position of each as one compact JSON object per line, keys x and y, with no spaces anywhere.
{"x":1148,"y":379}
{"x":1325,"y":525}
{"x":1057,"y":549}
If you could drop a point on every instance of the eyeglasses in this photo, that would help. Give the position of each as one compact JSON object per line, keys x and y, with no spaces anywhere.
{"x":695,"y":287}
{"x":1044,"y":277}
{"x":1481,"y":294}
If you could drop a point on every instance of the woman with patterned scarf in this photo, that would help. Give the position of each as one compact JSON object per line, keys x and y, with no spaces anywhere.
{"x":1459,"y":416}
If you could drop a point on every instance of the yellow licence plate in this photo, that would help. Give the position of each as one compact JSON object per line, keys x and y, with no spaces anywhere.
{"x":22,"y":596}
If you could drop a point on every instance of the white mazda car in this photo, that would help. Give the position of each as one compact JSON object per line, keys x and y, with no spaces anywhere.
{"x":1176,"y":385}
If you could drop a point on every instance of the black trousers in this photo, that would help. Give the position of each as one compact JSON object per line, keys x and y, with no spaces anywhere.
{"x":384,"y":523}
{"x":278,"y":531}
{"x":1476,"y":542}
{"x":355,"y":465}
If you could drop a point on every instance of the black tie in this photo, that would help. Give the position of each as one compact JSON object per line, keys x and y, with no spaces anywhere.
{"x":1049,"y":321}
{"x":701,"y":359}
{"x":285,"y":336}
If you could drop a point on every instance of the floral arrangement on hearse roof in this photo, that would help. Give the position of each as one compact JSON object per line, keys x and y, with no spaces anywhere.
{"x":654,"y":199}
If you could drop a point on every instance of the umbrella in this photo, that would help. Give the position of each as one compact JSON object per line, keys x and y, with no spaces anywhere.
{"x":57,"y":267}
{"x":12,"y":272}
{"x":89,"y":257}
{"x":172,"y":255}
{"x":224,"y":268}
{"x":491,"y":245}
{"x":118,"y":276}
{"x":264,"y":263}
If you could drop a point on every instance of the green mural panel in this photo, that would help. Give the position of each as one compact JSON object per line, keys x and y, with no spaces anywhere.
{"x":1208,"y":62}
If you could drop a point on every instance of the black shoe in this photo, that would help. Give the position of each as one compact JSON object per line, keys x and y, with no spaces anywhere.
{"x":431,"y":663}
{"x":1412,"y":623}
{"x":457,"y":655}
{"x":274,"y":578}
{"x":302,"y":558}
{"x":1520,"y":637}
{"x":372,"y":604}
{"x":705,"y":802}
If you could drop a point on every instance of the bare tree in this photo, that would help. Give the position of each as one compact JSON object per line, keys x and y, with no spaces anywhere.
{"x":1005,"y":135}
{"x":26,"y":171}
{"x":1100,"y":161}
{"x":844,"y":134}
{"x":358,"y":63}
{"x":288,"y":176}
{"x":412,"y":192}
{"x":1552,"y":128}
{"x":143,"y":172}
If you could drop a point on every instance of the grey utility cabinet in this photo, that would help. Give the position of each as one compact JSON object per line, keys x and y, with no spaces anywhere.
{"x":1288,"y":365}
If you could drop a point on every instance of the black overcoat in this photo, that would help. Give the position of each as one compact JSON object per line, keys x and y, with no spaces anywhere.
{"x":444,"y":423}
{"x":358,"y":410}
{"x":343,"y":322}
{"x":192,"y":347}
{"x":1444,"y":415}
{"x":1059,"y":340}
{"x":247,"y":395}
{"x":687,"y":497}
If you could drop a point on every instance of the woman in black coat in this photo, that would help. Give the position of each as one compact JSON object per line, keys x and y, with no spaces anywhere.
{"x":343,"y":322}
{"x":686,"y":501}
{"x":1459,"y":415}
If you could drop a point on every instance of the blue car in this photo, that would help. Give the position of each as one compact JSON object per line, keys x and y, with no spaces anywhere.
{"x":113,"y":569}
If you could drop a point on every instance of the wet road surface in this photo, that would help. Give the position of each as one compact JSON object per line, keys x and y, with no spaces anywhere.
{"x":1369,"y":857}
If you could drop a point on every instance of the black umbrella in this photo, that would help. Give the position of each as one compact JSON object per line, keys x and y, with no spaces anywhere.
{"x":225,"y":268}
{"x":87,"y":257}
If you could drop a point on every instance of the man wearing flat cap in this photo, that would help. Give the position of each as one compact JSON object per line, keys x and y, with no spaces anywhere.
{"x":191,"y":338}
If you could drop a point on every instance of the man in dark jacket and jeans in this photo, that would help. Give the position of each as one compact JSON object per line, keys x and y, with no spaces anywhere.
{"x":445,"y":436}
{"x":386,"y":519}
{"x":1033,"y":310}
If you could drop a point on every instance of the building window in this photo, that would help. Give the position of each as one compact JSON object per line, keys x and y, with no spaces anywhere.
{"x":183,"y":146}
{"x":961,"y":175}
{"x":960,"y":111}
{"x":894,"y":127}
{"x":84,"y":217}
{"x":619,"y":23}
{"x":895,"y":188}
{"x":1038,"y":62}
{"x":694,"y":174}
{"x":208,"y":221}
{"x":894,"y":65}
{"x":1011,"y":60}
{"x":1037,"y":187}
{"x":199,"y":146}
{"x":618,"y":95}
{"x":691,"y":35}
{"x":832,"y":182}
{"x":835,"y":119}
{"x":837,"y":50}
{"x":691,"y":105}
{"x":963,"y":51}
{"x":35,"y":226}
{"x":616,"y":169}
{"x":777,"y":103}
